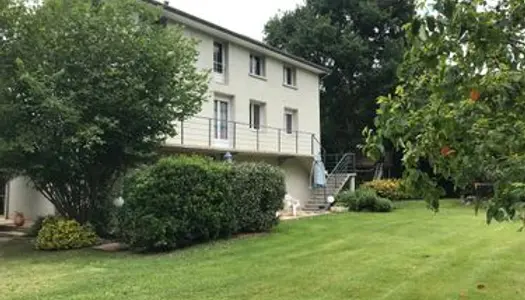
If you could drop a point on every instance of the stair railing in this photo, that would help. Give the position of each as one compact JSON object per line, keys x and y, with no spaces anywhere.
{"x":345,"y":165}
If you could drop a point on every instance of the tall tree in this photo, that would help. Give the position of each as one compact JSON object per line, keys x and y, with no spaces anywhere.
{"x":461,"y":102}
{"x":87,"y":90}
{"x":362,"y":42}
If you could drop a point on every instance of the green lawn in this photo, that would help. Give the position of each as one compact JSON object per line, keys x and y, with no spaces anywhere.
{"x":408,"y":254}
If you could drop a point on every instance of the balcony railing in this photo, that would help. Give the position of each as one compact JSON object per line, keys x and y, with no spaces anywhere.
{"x":200,"y":132}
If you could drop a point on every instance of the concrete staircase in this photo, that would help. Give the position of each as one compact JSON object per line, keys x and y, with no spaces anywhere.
{"x":334,"y":184}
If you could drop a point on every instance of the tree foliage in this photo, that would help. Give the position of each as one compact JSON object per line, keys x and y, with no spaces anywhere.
{"x":361,"y":42}
{"x":88,"y":89}
{"x":461,"y":100}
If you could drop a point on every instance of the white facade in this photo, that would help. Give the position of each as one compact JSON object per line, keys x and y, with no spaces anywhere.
{"x":288,"y":116}
{"x":263,"y":105}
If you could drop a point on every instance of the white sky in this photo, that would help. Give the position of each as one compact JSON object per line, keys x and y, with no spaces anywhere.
{"x":246,"y":17}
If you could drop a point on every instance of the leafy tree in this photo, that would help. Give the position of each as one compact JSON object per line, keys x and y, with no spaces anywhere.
{"x":361,"y":42}
{"x":87,"y":90}
{"x":461,"y":101}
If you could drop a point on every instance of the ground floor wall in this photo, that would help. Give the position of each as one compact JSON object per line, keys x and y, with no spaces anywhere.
{"x":22,"y":197}
{"x":297,"y":171}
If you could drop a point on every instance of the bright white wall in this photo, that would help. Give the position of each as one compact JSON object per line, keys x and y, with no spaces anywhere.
{"x":296,"y":171}
{"x":241,"y":88}
{"x":24,"y":198}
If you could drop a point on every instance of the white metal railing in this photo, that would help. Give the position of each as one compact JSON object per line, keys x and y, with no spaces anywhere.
{"x":201,"y":132}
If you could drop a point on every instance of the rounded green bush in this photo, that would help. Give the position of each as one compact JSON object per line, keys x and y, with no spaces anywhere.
{"x":364,"y":199}
{"x":259,"y":190}
{"x":61,"y":234}
{"x":383,"y":205}
{"x":177,"y":202}
{"x":180,"y":201}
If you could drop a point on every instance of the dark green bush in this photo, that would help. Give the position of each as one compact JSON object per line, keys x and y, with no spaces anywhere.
{"x":383,"y":205}
{"x":364,"y":200}
{"x":61,"y":234}
{"x":180,"y":201}
{"x":259,"y":190}
{"x":177,"y":202}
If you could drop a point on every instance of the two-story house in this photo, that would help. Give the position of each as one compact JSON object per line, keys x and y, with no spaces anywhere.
{"x":263,"y":106}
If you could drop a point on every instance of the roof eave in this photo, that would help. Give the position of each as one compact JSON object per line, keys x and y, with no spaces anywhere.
{"x":303,"y":63}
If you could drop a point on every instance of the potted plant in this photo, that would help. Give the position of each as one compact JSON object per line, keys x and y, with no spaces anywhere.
{"x":19,"y":219}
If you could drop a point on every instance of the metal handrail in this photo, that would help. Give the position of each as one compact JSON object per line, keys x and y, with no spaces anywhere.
{"x":342,"y":167}
{"x":248,"y":124}
{"x":199,"y":131}
{"x":342,"y":161}
{"x":323,"y":150}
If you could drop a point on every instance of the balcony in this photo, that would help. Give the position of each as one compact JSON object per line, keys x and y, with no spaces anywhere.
{"x":209,"y":133}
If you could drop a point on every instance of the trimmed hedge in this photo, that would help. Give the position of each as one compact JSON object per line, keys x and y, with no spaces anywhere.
{"x":364,"y":199}
{"x":259,"y":190}
{"x":180,"y":201}
{"x":388,"y":188}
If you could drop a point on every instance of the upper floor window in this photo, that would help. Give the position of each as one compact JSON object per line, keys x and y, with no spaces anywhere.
{"x":290,"y":120}
{"x":289,"y":76}
{"x":257,"y":65}
{"x":218,"y":58}
{"x":256,"y":114}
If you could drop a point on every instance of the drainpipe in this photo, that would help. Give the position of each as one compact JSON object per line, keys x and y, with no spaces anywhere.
{"x":6,"y":199}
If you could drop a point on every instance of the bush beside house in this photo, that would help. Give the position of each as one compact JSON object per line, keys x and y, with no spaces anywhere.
{"x":258,"y":190}
{"x":364,"y":199}
{"x":180,"y":201}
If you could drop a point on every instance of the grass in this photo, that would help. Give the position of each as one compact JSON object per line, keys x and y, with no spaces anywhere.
{"x":408,"y":254}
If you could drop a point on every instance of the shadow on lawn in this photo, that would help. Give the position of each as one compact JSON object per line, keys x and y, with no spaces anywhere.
{"x":16,"y":248}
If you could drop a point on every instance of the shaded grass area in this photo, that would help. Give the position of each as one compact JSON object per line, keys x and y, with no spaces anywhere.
{"x":408,"y":254}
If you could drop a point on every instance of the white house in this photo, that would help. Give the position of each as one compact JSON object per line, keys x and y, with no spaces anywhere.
{"x":263,"y":106}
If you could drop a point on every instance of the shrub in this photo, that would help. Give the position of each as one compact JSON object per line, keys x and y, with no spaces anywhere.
{"x":383,"y":205}
{"x":177,"y":202}
{"x":184,"y":200}
{"x":364,"y":199}
{"x":259,"y":190}
{"x":37,"y":225}
{"x":61,"y":234}
{"x":388,"y":188}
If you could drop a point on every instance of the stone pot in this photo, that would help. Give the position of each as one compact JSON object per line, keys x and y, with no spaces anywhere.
{"x":19,"y":219}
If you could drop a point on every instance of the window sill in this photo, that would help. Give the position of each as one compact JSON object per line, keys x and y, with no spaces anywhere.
{"x":219,"y":78}
{"x":261,"y":131}
{"x":258,"y":77}
{"x":293,"y":87}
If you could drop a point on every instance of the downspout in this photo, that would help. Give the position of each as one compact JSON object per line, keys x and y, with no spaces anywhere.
{"x":6,"y":199}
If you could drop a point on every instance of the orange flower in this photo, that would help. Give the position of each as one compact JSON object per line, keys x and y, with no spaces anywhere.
{"x":446,"y":151}
{"x":474,"y":95}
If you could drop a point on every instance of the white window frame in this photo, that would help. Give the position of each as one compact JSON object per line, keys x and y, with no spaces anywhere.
{"x":220,"y":75}
{"x":261,"y":118}
{"x":253,"y":65}
{"x":293,"y":72}
{"x":222,"y":121}
{"x":292,"y":113}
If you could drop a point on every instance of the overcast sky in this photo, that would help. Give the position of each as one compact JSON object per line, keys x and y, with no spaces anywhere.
{"x":243,"y":16}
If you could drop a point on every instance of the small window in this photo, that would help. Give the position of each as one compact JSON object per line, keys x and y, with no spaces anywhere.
{"x":218,"y":58}
{"x":256,"y":115}
{"x":257,"y":65}
{"x":290,"y":124}
{"x":289,"y":76}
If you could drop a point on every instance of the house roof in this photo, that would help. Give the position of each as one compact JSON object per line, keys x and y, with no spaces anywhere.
{"x":185,"y":18}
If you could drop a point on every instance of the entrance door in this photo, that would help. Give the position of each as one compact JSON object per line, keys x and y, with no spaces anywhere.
{"x":221,"y":123}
